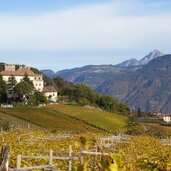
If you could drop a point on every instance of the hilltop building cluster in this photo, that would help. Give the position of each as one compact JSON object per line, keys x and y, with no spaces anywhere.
{"x":18,"y":73}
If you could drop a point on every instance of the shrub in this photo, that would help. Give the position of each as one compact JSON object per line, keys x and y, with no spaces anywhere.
{"x":5,"y":125}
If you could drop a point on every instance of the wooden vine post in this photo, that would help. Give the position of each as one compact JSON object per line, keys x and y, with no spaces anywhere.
{"x":18,"y":161}
{"x":5,"y":155}
{"x":50,"y":157}
{"x":70,"y":158}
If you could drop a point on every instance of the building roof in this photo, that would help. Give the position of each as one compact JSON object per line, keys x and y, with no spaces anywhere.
{"x":47,"y":89}
{"x":19,"y":72}
{"x":166,"y":115}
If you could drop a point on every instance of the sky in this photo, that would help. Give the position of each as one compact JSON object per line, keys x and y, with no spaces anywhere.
{"x":63,"y":34}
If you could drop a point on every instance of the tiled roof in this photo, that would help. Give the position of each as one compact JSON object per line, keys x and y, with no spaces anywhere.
{"x":19,"y":72}
{"x":49,"y":89}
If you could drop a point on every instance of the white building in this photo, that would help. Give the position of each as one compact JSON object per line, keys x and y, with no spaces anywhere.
{"x":19,"y":73}
{"x":51,"y":93}
{"x":11,"y":71}
{"x":167,"y":118}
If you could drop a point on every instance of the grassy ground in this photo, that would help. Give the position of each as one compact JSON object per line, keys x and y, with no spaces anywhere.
{"x":68,"y":118}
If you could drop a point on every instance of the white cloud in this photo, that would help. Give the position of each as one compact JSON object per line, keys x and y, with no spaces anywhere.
{"x":107,"y":26}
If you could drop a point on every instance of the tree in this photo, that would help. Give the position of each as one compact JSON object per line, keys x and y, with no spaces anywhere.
{"x":3,"y":90}
{"x":124,"y":109}
{"x":26,"y":79}
{"x":85,"y":94}
{"x":107,"y":103}
{"x":24,"y":90}
{"x":131,"y":124}
{"x":11,"y":82}
{"x":37,"y":98}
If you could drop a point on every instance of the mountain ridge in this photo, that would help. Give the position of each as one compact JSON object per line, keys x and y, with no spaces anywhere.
{"x":95,"y":75}
{"x":133,"y":63}
{"x":145,"y":60}
{"x":148,"y":87}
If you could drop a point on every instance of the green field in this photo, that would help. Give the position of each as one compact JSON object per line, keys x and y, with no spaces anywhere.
{"x":69,"y":118}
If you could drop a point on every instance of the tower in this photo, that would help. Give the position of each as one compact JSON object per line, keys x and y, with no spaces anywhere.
{"x":9,"y":67}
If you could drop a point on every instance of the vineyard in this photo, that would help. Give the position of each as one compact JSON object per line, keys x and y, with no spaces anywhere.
{"x":47,"y":119}
{"x":75,"y":138}
{"x":17,"y":122}
{"x":69,"y":118}
{"x":106,"y":120}
{"x":87,"y":153}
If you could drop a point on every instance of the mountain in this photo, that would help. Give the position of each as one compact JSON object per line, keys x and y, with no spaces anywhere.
{"x":49,"y":73}
{"x":145,"y":60}
{"x":92,"y":75}
{"x":129,"y":63}
{"x":95,"y":75}
{"x":148,"y":87}
{"x":152,"y":55}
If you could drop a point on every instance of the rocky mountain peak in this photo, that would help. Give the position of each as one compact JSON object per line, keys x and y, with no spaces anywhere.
{"x":145,"y":60}
{"x":152,"y":55}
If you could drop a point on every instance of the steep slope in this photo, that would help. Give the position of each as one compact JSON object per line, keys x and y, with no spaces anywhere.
{"x":153,"y":86}
{"x":148,"y":88}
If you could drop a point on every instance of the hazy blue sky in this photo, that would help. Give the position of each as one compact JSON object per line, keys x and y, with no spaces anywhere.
{"x":60,"y":34}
